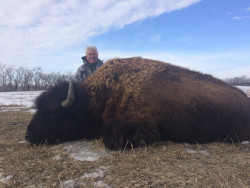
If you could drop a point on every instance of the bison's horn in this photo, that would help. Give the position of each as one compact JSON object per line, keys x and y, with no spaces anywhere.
{"x":70,"y":98}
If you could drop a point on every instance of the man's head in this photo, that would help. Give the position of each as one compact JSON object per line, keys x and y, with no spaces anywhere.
{"x":91,"y":54}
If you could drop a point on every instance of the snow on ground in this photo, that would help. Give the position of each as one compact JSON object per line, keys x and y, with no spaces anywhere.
{"x":84,"y":151}
{"x":19,"y":98}
{"x":245,"y":89}
{"x":5,"y":179}
{"x":14,"y":101}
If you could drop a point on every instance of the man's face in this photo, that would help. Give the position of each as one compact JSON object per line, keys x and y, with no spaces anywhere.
{"x":91,"y":56}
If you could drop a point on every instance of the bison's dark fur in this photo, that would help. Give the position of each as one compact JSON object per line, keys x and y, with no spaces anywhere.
{"x":136,"y":102}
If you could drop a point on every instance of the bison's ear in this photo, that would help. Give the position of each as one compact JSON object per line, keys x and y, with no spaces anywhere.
{"x":70,"y":98}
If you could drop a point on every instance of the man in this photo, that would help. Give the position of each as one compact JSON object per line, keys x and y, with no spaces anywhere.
{"x":90,"y":63}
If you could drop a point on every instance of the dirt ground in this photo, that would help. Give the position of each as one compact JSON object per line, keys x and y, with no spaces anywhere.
{"x":165,"y":164}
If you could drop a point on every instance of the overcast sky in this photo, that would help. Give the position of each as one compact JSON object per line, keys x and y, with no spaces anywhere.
{"x":210,"y":36}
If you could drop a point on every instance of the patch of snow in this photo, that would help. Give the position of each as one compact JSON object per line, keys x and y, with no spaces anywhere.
{"x":32,"y":111}
{"x":68,"y":184}
{"x":22,"y":142}
{"x":245,"y":89}
{"x":84,"y":151}
{"x":5,"y":179}
{"x":99,"y":173}
{"x":101,"y":184}
{"x":22,"y":99}
{"x":245,"y":142}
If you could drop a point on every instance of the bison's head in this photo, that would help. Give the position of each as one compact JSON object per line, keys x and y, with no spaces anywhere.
{"x":62,"y":115}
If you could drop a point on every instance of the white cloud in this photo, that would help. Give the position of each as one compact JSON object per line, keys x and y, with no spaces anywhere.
{"x":237,"y":18}
{"x":247,"y":9}
{"x":30,"y":28}
{"x":241,"y":17}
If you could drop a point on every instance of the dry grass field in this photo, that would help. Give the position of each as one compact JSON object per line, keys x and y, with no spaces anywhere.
{"x":165,"y":164}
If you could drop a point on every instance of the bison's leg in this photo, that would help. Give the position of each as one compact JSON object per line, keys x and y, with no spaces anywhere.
{"x":124,"y":135}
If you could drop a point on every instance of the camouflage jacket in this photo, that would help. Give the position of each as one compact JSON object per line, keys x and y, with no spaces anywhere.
{"x":86,"y":69}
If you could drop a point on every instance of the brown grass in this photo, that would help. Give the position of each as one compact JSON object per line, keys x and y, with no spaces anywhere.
{"x":165,"y":164}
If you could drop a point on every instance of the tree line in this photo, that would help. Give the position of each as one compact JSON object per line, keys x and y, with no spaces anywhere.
{"x":239,"y":81}
{"x":24,"y":79}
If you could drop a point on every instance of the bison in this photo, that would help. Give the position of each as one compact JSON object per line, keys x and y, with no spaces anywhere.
{"x":135,"y":102}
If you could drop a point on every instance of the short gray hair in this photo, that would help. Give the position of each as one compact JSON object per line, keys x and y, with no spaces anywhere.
{"x":91,"y":48}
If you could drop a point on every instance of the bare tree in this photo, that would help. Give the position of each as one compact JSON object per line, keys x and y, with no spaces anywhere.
{"x":21,"y":78}
{"x":37,"y":72}
{"x":3,"y":77}
{"x":46,"y":80}
{"x":18,"y":77}
{"x":54,"y":77}
{"x":27,"y":79}
{"x":239,"y":81}
{"x":66,"y":77}
{"x":10,"y":77}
